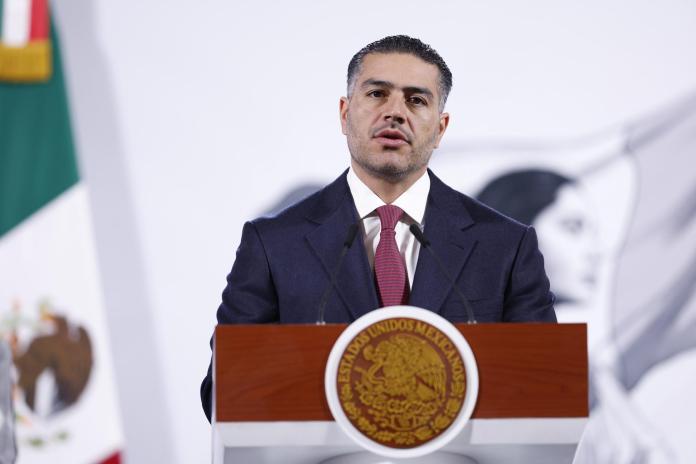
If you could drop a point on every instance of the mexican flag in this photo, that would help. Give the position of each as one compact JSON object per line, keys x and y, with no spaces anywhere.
{"x":51,"y":309}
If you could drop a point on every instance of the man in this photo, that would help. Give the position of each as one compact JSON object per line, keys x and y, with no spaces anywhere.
{"x":393,"y":119}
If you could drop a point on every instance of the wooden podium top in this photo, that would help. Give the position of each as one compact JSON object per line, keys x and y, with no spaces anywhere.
{"x":275,"y":372}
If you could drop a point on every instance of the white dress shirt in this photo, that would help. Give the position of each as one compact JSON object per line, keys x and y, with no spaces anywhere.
{"x":412,"y":202}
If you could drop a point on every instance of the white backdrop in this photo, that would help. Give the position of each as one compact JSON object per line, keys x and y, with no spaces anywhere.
{"x":192,"y":117}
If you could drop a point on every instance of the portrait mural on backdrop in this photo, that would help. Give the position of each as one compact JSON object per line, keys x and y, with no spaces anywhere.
{"x":615,"y":214}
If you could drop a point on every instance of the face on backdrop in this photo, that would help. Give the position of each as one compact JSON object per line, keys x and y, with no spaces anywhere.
{"x":569,"y":241}
{"x":392,"y":119}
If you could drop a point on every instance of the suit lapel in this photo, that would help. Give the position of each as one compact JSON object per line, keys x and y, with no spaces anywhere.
{"x":334,"y":213}
{"x":446,"y":221}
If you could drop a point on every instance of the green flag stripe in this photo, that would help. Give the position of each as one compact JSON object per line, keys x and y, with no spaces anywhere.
{"x":2,"y":9}
{"x":37,"y":155}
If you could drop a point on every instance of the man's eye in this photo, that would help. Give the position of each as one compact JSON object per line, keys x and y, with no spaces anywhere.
{"x":417,"y":101}
{"x":376,"y":93}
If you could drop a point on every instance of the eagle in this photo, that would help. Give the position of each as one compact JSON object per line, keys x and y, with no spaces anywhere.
{"x":66,"y":355}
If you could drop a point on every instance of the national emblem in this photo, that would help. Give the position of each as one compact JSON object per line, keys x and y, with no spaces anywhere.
{"x":401,"y":382}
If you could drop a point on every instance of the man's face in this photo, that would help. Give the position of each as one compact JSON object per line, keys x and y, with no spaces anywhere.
{"x":392,"y":120}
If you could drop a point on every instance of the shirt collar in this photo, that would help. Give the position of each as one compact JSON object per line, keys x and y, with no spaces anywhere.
{"x":412,"y":201}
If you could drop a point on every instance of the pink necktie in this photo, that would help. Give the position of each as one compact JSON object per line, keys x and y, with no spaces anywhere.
{"x":390,"y":270}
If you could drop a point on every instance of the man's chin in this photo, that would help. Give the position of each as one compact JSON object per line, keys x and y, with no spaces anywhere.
{"x":388,"y":166}
{"x":390,"y":172}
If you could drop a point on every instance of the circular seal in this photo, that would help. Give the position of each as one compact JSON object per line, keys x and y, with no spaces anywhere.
{"x":401,"y":381}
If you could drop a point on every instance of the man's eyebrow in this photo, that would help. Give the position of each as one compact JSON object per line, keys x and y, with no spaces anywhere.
{"x":377,"y":83}
{"x":423,"y":90}
{"x":390,"y":85}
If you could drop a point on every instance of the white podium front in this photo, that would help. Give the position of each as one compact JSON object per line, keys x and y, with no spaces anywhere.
{"x":537,"y":441}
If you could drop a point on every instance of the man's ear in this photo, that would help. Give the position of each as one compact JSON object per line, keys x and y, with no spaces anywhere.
{"x":343,"y":112}
{"x":444,"y":122}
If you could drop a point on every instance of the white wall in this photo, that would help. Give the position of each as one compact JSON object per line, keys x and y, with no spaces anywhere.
{"x":193,"y":117}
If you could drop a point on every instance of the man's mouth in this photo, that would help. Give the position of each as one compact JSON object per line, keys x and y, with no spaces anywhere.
{"x":391,"y":138}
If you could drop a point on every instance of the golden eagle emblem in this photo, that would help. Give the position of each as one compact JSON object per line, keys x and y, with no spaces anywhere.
{"x":401,"y":382}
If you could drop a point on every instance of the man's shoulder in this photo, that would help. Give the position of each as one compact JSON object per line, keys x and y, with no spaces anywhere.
{"x":484,"y":214}
{"x":478,"y":212}
{"x":308,"y":209}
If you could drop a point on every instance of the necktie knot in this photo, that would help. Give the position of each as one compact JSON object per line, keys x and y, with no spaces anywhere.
{"x":389,"y":215}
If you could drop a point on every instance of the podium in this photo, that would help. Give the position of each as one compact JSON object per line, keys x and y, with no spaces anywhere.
{"x":269,"y":404}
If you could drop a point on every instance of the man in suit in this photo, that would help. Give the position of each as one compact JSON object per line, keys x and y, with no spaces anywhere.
{"x":393,"y":118}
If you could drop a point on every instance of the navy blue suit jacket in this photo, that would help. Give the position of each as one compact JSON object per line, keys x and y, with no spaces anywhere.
{"x":284,"y":262}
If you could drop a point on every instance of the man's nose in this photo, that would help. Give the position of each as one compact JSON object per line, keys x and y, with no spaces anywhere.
{"x":395,"y":111}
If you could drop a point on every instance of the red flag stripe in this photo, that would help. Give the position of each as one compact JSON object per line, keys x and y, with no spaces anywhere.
{"x":39,"y":20}
{"x":113,"y":459}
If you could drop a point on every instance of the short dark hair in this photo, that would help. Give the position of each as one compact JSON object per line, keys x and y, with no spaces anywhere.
{"x":408,"y":45}
{"x":523,"y":195}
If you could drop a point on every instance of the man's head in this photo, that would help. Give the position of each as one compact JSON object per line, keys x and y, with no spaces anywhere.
{"x":392,"y":116}
{"x":409,"y":46}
